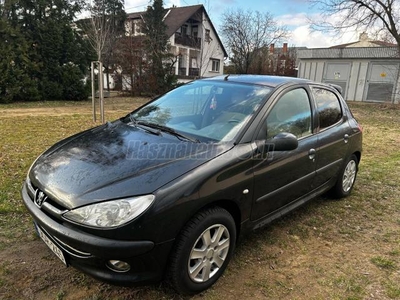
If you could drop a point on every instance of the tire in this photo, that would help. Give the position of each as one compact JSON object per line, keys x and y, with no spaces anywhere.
{"x":202,"y":251}
{"x":346,"y":179}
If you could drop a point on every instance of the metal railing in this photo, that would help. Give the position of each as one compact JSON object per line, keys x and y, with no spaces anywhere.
{"x":188,"y":40}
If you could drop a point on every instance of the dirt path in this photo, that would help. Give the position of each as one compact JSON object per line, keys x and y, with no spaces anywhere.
{"x":16,"y":112}
{"x":54,"y":111}
{"x":111,"y":105}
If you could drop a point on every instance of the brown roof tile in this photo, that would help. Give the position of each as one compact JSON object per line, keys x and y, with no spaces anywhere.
{"x":174,"y":16}
{"x":179,"y":15}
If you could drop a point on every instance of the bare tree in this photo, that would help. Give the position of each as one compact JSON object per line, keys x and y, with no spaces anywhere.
{"x":98,"y":32}
{"x":246,"y":31}
{"x":380,"y":16}
{"x":103,"y":28}
{"x":130,"y":52}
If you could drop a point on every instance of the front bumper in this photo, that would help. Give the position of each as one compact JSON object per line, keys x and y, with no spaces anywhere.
{"x":90,"y":253}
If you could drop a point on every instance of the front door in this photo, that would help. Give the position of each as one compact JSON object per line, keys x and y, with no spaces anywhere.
{"x":281,"y":177}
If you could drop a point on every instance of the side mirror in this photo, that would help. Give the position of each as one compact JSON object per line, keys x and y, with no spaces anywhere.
{"x":284,"y":141}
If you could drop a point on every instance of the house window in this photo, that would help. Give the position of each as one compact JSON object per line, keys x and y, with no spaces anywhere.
{"x":137,"y":27}
{"x":181,"y":61}
{"x":195,"y":31}
{"x":184,"y":29}
{"x":207,"y":37}
{"x":215,"y":65}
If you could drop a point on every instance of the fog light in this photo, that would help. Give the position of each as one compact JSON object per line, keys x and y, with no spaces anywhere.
{"x":118,"y":265}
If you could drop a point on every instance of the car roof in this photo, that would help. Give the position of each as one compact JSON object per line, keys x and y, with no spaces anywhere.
{"x":267,"y":80}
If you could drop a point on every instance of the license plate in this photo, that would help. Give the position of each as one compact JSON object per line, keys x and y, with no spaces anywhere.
{"x":53,"y":247}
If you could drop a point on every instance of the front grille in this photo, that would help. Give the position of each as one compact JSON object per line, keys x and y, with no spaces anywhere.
{"x":54,"y":211}
{"x":44,"y":202}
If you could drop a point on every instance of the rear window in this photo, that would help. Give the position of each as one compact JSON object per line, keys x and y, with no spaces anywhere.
{"x":328,"y":107}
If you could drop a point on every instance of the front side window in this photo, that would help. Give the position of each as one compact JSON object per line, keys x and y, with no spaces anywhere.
{"x":328,"y":106}
{"x":206,"y":110}
{"x":292,"y":114}
{"x":215,"y":65}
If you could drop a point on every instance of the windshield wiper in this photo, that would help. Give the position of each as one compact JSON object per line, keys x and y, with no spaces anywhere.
{"x":136,"y":123}
{"x":169,"y":130}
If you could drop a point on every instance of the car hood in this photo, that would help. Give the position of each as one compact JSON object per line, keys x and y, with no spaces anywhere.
{"x":114,"y":161}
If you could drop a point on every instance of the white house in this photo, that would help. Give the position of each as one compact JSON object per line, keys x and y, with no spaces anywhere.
{"x":193,"y":40}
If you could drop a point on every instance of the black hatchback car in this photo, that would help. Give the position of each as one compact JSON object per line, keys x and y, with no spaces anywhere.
{"x":165,"y":191}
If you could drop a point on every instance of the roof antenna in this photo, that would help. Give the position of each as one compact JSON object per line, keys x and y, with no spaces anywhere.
{"x":226,"y":77}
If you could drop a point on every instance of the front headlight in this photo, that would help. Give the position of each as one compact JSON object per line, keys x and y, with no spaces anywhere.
{"x":112,"y":213}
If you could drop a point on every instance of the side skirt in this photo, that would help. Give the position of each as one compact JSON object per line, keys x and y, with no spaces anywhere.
{"x":252,"y":225}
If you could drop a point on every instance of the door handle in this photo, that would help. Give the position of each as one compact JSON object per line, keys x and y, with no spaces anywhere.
{"x":311,"y":154}
{"x":346,"y":138}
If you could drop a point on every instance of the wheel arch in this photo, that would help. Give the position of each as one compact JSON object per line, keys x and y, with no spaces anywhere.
{"x":233,"y":209}
{"x":229,"y":205}
{"x":180,"y":280}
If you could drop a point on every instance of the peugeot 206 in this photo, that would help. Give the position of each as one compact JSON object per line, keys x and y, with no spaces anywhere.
{"x":165,"y":192}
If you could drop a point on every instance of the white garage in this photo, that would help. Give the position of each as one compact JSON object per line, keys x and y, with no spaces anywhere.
{"x":366,"y":70}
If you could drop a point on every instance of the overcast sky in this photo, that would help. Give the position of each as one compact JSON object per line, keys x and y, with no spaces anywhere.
{"x":291,"y":13}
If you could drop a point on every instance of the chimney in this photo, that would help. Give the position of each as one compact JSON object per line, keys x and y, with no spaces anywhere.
{"x":284,"y":50}
{"x":271,"y":48}
{"x":363,"y":36}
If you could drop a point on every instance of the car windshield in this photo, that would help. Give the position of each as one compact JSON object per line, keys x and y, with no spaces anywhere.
{"x":203,"y":110}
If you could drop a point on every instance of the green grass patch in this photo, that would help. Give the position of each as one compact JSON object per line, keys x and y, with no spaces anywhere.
{"x":383,"y":263}
{"x":349,"y":285}
{"x":392,"y":289}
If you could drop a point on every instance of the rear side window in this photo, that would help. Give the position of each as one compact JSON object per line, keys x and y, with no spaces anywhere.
{"x":328,"y":106}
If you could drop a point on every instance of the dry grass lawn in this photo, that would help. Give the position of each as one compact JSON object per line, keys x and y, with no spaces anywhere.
{"x":328,"y":249}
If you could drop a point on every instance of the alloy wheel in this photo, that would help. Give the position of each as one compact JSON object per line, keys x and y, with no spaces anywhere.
{"x":209,"y":253}
{"x":349,"y":175}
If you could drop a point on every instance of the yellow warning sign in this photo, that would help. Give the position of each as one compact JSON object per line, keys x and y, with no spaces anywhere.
{"x":383,"y":74}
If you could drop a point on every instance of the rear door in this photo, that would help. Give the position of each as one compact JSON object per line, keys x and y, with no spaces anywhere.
{"x":333,"y":134}
{"x":281,"y":177}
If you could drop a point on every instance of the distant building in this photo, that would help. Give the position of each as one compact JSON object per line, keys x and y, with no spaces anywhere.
{"x":193,"y":40}
{"x":367,"y":70}
{"x":283,"y":61}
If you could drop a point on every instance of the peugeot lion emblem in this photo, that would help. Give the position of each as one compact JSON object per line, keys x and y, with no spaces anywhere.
{"x":40,"y":197}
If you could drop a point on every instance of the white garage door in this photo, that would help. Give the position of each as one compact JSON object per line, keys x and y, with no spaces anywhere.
{"x":382,"y":78}
{"x":338,"y":73}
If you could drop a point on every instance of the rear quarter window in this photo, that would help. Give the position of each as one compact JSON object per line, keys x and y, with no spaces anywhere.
{"x":328,"y":107}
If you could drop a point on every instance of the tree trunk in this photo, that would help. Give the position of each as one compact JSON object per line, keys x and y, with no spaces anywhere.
{"x":108,"y":79}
